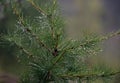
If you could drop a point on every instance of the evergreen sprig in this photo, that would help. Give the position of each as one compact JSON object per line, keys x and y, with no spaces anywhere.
{"x":47,"y":54}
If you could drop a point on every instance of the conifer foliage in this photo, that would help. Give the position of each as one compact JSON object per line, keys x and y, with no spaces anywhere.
{"x":47,"y":55}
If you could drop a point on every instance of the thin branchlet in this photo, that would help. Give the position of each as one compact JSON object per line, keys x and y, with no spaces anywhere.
{"x":49,"y":16}
{"x":51,"y":21}
{"x":98,"y":39}
{"x":37,"y":7}
{"x":21,"y":20}
{"x":24,"y":50}
{"x":111,"y":35}
{"x":30,"y":55}
{"x":90,"y":75}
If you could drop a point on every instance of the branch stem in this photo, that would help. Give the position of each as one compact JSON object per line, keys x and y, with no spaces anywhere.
{"x":29,"y":31}
{"x":37,"y":7}
{"x":90,"y":75}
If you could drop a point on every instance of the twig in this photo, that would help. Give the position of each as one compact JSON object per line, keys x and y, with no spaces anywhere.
{"x":110,"y":35}
{"x":90,"y":75}
{"x":21,"y":48}
{"x":37,"y":7}
{"x":98,"y":39}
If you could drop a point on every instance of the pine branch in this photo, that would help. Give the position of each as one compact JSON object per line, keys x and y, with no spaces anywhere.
{"x":111,"y":35}
{"x":100,"y":39}
{"x":49,"y":16}
{"x":58,"y":59}
{"x":90,"y":75}
{"x":51,"y":21}
{"x":17,"y":13}
{"x":49,"y":63}
{"x":37,"y":7}
{"x":24,"y":50}
{"x":19,"y":46}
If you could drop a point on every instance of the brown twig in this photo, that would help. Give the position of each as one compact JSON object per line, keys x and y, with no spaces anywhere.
{"x":111,"y":35}
{"x":37,"y":7}
{"x":98,"y":39}
{"x":90,"y":75}
{"x":24,"y":50}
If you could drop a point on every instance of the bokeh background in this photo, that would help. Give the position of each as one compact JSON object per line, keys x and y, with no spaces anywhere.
{"x":82,"y":17}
